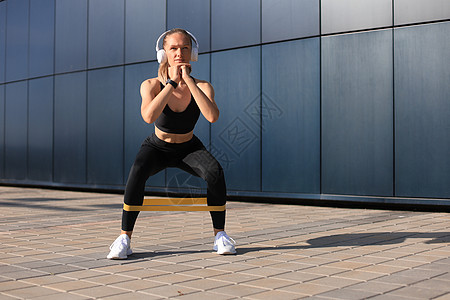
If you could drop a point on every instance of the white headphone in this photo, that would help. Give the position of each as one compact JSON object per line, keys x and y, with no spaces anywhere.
{"x":161,"y":54}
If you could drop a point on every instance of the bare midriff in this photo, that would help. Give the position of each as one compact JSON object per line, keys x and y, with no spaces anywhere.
{"x":175,"y":138}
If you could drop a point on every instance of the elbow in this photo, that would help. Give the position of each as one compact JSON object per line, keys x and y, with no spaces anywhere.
{"x":214,"y":118}
{"x":148,"y":116}
{"x":147,"y":119}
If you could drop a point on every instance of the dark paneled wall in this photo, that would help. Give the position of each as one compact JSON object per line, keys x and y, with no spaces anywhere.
{"x":16,"y":39}
{"x":422,"y":108}
{"x":357,"y":114}
{"x":71,"y":35}
{"x":2,"y":41}
{"x":69,"y":132}
{"x":42,"y":38}
{"x":290,"y":116}
{"x":2,"y":131}
{"x":317,"y":98}
{"x":40,"y":129}
{"x":105,"y":126}
{"x":16,"y":130}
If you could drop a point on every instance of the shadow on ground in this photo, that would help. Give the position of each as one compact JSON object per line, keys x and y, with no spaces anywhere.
{"x":339,"y":240}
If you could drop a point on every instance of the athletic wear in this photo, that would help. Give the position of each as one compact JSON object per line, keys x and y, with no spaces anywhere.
{"x":178,"y":122}
{"x":120,"y":248}
{"x":156,"y":155}
{"x":223,"y":244}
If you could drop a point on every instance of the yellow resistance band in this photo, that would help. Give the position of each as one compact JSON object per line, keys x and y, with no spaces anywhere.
{"x":174,"y":204}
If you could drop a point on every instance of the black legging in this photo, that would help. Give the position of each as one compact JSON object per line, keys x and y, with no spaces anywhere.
{"x":156,"y":155}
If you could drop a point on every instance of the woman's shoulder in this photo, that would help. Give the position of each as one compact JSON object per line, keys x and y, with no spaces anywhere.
{"x":151,"y":84}
{"x":150,"y":87}
{"x":203,"y":83}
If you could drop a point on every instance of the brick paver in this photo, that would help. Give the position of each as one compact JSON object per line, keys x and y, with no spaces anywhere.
{"x":54,"y":244}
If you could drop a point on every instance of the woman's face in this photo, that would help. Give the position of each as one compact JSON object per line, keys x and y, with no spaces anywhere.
{"x":178,"y":49}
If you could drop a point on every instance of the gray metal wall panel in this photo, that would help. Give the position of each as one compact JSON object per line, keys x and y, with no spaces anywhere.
{"x":106,"y":33}
{"x":357,"y":114}
{"x":235,"y":137}
{"x":290,"y":117}
{"x":42,"y":36}
{"x":2,"y":130}
{"x":415,"y":11}
{"x":2,"y":40}
{"x":144,"y":22}
{"x":17,"y":40}
{"x":289,"y":19}
{"x":194,"y":16}
{"x":40,"y":129}
{"x":356,"y":160}
{"x":136,"y":130}
{"x":16,"y":130}
{"x":235,"y":23}
{"x":422,"y":108}
{"x":105,"y":126}
{"x":71,"y":35}
{"x":70,"y":128}
{"x":349,"y":15}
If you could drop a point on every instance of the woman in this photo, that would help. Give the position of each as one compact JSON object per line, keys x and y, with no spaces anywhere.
{"x":173,"y":102}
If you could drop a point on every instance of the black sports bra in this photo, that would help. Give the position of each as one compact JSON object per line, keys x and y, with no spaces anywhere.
{"x":178,"y":122}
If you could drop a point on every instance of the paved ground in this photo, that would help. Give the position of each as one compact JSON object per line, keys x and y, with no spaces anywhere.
{"x":53,"y":246}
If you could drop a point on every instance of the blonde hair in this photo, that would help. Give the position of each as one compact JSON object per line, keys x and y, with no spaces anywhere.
{"x":163,"y":71}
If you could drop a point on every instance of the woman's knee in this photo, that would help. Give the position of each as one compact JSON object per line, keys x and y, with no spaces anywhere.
{"x":134,"y":190}
{"x":136,"y":176}
{"x":214,"y":173}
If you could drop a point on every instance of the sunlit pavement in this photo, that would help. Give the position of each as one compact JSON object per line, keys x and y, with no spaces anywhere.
{"x":54,"y":245}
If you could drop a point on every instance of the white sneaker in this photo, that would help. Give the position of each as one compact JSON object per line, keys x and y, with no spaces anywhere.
{"x":120,"y":249}
{"x":223,"y":244}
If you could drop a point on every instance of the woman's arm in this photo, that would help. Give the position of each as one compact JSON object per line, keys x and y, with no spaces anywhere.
{"x":203,"y":93}
{"x":153,"y":103}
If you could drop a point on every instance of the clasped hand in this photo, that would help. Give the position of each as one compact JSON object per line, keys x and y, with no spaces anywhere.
{"x":179,"y":72}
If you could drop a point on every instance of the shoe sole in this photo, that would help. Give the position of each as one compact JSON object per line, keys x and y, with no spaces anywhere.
{"x":227,"y":253}
{"x":129,"y":252}
{"x":116,"y":258}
